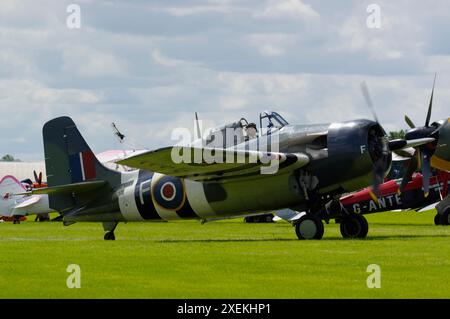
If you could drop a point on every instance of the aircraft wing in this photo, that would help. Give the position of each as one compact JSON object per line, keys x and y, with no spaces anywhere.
{"x":213,"y":164}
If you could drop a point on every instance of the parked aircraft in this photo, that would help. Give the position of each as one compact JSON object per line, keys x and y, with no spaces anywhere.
{"x":390,"y":199}
{"x":412,"y":197}
{"x":313,"y":164}
{"x":16,"y":207}
{"x":433,"y":154}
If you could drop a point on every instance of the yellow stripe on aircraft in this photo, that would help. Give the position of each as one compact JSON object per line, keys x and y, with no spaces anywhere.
{"x":372,"y":194}
{"x":439,"y":163}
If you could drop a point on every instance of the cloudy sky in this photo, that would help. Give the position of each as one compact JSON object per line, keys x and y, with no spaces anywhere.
{"x":148,"y":65}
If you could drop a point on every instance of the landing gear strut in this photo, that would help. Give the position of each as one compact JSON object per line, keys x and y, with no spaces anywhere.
{"x":354,"y":226}
{"x":109,"y":227}
{"x":309,"y":227}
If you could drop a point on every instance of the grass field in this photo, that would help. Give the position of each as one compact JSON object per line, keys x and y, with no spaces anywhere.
{"x":227,"y":259}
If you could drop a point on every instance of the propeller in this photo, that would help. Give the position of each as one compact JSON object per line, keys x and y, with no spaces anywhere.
{"x":380,"y":145}
{"x":38,"y":178}
{"x":409,"y":122}
{"x":421,"y":157}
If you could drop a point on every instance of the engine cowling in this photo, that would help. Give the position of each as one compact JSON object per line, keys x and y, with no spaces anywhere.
{"x":355,"y":150}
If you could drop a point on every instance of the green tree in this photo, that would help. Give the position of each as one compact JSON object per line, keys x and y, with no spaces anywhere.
{"x":397,"y":134}
{"x":9,"y":158}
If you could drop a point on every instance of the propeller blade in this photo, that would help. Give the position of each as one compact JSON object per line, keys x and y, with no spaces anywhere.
{"x":430,"y":106}
{"x":409,"y":122}
{"x":365,"y":92}
{"x":402,"y":154}
{"x":378,"y":177}
{"x":425,"y":163}
{"x":412,"y":166}
{"x":40,"y":178}
{"x":399,"y":144}
{"x":35,"y":176}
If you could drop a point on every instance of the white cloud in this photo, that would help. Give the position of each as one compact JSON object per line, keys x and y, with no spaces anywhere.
{"x":193,"y":10}
{"x":294,"y":9}
{"x":232,"y":103}
{"x":160,"y":59}
{"x":89,"y":62}
{"x":272,"y":44}
{"x":396,"y":37}
{"x":438,"y":63}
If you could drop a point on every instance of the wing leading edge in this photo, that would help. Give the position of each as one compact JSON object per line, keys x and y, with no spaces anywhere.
{"x":202,"y":164}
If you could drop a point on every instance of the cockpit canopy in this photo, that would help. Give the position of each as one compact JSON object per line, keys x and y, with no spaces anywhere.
{"x":235,"y":133}
{"x":271,"y":120}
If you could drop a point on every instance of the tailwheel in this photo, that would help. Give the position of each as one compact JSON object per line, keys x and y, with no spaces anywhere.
{"x":354,"y":226}
{"x":109,"y":228}
{"x":437,"y":220}
{"x":309,"y":227}
{"x":110,"y":236}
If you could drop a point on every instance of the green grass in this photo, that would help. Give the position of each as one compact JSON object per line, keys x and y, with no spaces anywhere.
{"x":227,"y":259}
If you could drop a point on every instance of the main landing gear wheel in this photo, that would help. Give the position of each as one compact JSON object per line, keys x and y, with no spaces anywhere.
{"x":354,"y":226}
{"x":445,"y":217}
{"x":110,"y":236}
{"x":437,"y":220}
{"x":309,"y":228}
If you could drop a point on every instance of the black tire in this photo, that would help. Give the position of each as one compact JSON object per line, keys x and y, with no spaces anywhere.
{"x":437,"y":219}
{"x":445,"y":217}
{"x":110,"y":236}
{"x":309,"y":227}
{"x":354,"y":226}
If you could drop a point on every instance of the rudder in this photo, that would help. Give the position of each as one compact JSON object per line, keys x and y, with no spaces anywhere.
{"x":68,"y":158}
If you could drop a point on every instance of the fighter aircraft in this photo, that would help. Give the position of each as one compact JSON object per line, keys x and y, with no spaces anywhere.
{"x":313,"y":163}
{"x":434,"y":154}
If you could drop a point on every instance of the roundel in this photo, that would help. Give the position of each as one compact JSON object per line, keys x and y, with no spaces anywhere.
{"x":169,"y":192}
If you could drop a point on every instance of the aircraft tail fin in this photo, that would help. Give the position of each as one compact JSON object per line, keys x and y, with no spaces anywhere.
{"x":69,"y":159}
{"x":9,"y":185}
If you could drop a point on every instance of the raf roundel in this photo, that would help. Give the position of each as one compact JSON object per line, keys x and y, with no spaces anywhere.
{"x":168,"y":192}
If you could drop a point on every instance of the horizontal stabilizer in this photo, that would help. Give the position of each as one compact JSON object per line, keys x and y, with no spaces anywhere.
{"x":67,"y":189}
{"x":30,"y":201}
